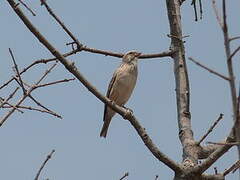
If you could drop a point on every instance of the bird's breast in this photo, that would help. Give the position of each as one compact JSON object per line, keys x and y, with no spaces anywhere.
{"x":126,"y":82}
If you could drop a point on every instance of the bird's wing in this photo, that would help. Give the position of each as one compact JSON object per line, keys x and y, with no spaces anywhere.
{"x":108,"y":92}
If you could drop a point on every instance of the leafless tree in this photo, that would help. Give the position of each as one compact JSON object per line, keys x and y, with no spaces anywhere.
{"x":193,"y":150}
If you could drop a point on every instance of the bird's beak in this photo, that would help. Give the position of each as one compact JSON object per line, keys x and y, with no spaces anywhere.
{"x":138,"y":54}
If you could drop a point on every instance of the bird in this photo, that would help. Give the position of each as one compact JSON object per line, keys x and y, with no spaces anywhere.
{"x":121,"y":86}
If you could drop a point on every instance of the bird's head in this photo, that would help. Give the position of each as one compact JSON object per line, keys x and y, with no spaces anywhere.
{"x":131,"y":56}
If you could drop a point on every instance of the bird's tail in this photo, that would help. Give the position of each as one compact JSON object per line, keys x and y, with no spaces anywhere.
{"x":104,"y":129}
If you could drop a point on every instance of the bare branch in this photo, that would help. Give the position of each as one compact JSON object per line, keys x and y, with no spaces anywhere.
{"x":35,"y":109}
{"x":210,"y":129}
{"x":231,"y":75}
{"x":49,"y":156}
{"x":232,"y":169}
{"x":17,"y":71}
{"x":44,"y":2}
{"x":124,"y":176}
{"x":55,"y":82}
{"x":224,"y":143}
{"x":234,"y":38}
{"x":182,"y":84}
{"x":92,"y":50}
{"x":201,"y":9}
{"x":211,"y":159}
{"x":80,"y":46}
{"x":195,"y":9}
{"x":28,"y":92}
{"x":219,"y":19}
{"x":234,"y":52}
{"x":120,"y":55}
{"x":44,"y":107}
{"x":10,"y":105}
{"x":9,"y":97}
{"x":44,"y":61}
{"x":205,"y":151}
{"x":28,"y":8}
{"x":208,"y":69}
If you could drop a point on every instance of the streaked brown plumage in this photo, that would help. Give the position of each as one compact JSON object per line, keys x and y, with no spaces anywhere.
{"x":121,"y":86}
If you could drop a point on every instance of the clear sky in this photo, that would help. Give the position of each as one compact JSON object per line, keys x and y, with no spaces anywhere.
{"x":117,"y":26}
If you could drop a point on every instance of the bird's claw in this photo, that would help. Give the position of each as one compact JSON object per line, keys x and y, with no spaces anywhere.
{"x":128,"y":113}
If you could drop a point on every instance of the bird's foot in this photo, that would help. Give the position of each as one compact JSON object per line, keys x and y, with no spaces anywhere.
{"x":128,"y":113}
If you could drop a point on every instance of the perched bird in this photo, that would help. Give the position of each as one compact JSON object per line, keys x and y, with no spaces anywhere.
{"x":121,"y":86}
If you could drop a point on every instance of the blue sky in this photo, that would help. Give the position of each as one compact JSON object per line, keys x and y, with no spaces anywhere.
{"x":117,"y":26}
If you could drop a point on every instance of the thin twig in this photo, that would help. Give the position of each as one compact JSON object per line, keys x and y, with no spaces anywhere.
{"x":80,"y":46}
{"x":201,"y":9}
{"x":35,"y":109}
{"x":210,"y":129}
{"x":208,"y":69}
{"x":49,"y":156}
{"x":120,"y":55}
{"x":26,"y":95}
{"x":25,"y":5}
{"x":10,"y":105}
{"x":44,"y":107}
{"x":46,"y":73}
{"x":223,"y":144}
{"x":124,"y":176}
{"x":9,"y":97}
{"x":234,"y":52}
{"x":44,"y":2}
{"x":195,"y":9}
{"x":232,"y":169}
{"x":17,"y":71}
{"x":234,"y":38}
{"x":38,"y":103}
{"x":55,"y":82}
{"x":219,"y":19}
